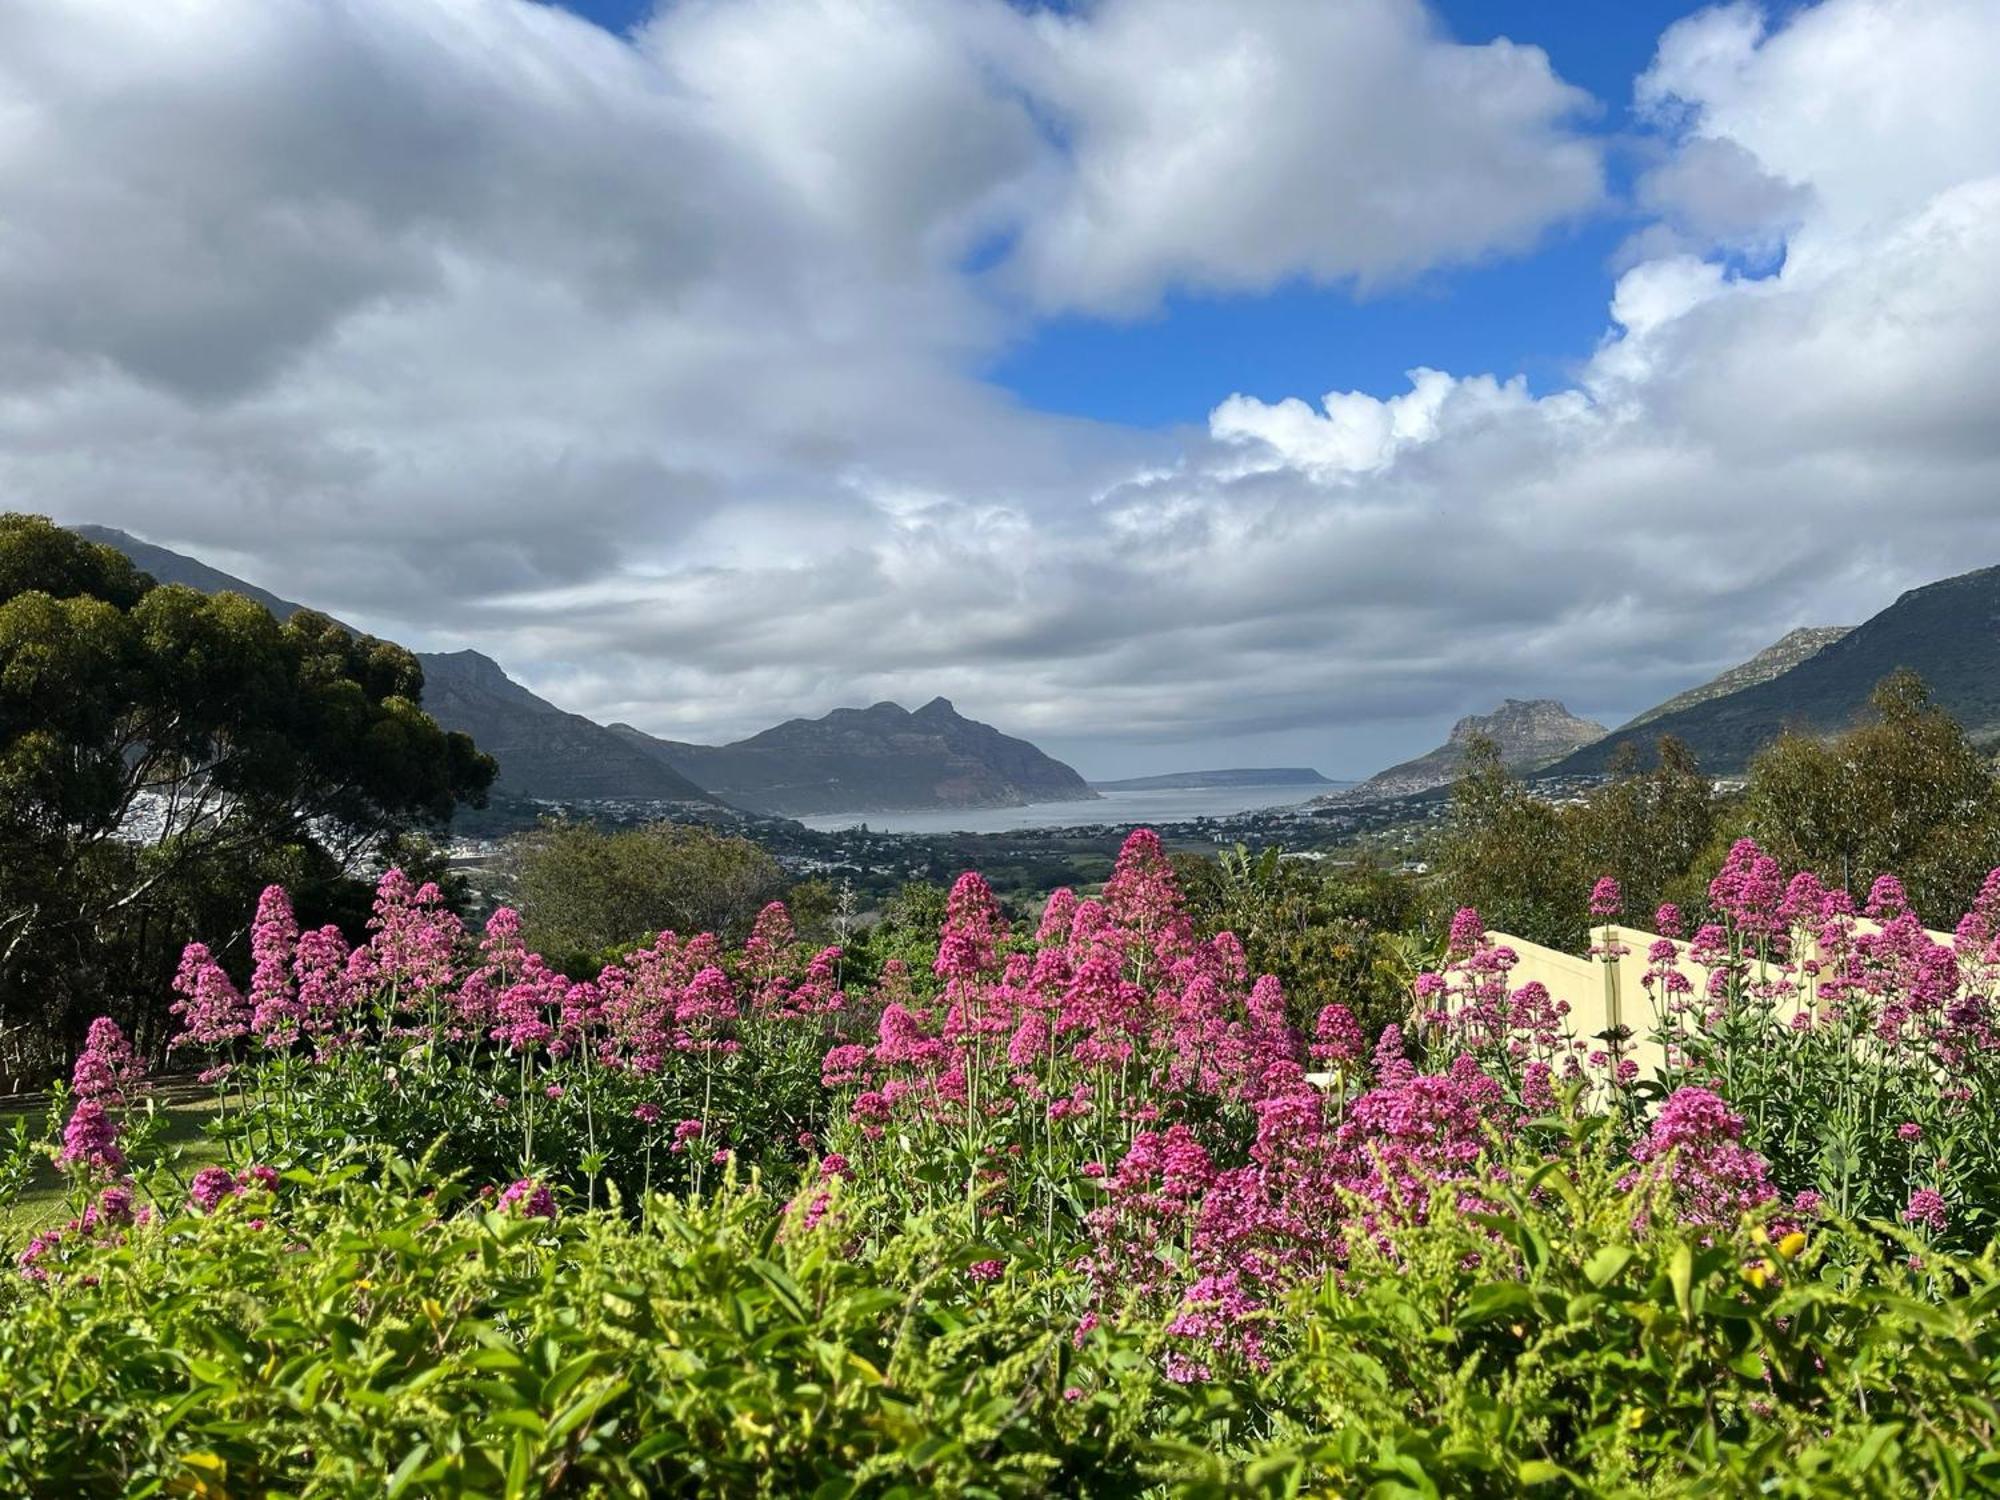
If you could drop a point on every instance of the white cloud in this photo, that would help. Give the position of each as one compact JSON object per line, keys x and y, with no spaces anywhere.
{"x":1233,"y":146}
{"x":649,"y":367}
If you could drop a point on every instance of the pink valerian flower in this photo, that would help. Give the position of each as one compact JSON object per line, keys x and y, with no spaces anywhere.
{"x":213,"y":1013}
{"x":326,"y":998}
{"x":1886,"y":899}
{"x":275,"y":1012}
{"x":523,"y":1013}
{"x":1413,"y":1134}
{"x":416,"y":938}
{"x":968,"y":942}
{"x":1806,"y":902}
{"x":1606,"y":899}
{"x":102,"y":1221}
{"x":114,"y":1206}
{"x":1222,"y":1317}
{"x":1538,"y":1094}
{"x":37,"y":1253}
{"x":503,"y":959}
{"x":705,"y":1011}
{"x":1926,"y":1207}
{"x":1697,"y":1138}
{"x":210,"y":1186}
{"x":1056,"y":918}
{"x":1337,"y":1038}
{"x":1910,"y":1131}
{"x":1747,"y":890}
{"x":814,"y":1211}
{"x":1466,"y":934}
{"x":986,"y":1270}
{"x":1667,"y":921}
{"x":1144,"y":897}
{"x":578,"y":1014}
{"x":844,"y":1064}
{"x":213,"y":1186}
{"x":258,"y":1178}
{"x":646,"y":1114}
{"x":768,"y":956}
{"x":685,"y":1133}
{"x":532,"y":1199}
{"x":1392,"y":1065}
{"x":819,"y":993}
{"x":90,"y":1140}
{"x":106,"y":1067}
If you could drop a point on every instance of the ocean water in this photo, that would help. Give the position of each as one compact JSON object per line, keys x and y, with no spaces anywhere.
{"x":1120,"y":809}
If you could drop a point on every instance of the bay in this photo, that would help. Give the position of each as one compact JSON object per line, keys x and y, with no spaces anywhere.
{"x":1117,"y":809}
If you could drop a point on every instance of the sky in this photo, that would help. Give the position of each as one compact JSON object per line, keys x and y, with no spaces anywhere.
{"x":1176,"y":384}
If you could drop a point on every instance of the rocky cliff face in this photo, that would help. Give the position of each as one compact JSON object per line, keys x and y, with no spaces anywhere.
{"x":878,"y":759}
{"x":1773,"y":661}
{"x":1531,"y":734}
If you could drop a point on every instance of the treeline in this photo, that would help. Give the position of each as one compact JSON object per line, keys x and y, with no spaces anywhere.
{"x":164,"y":755}
{"x":1906,"y":793}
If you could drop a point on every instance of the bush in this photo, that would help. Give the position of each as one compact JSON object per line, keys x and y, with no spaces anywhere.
{"x":1076,"y":1220}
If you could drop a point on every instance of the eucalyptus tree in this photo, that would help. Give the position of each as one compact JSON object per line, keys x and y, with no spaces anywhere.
{"x":162,"y":749}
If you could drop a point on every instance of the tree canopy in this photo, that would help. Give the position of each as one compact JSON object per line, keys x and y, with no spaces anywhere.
{"x":1905,"y":794}
{"x":160,"y":747}
{"x":585,"y":892}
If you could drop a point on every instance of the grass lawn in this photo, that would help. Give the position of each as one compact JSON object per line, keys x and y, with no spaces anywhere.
{"x":183,"y":1147}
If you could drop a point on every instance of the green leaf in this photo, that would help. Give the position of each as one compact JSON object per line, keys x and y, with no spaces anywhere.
{"x":1606,"y":1264}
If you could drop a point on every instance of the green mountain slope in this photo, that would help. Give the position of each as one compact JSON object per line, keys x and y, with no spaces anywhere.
{"x":878,"y":759}
{"x":1773,"y":661}
{"x":1947,"y":632}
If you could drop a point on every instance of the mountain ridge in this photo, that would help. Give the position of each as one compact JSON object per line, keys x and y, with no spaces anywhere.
{"x":1947,"y":631}
{"x":1531,"y":732}
{"x":1790,"y":649}
{"x":889,"y":757}
{"x":882,"y":758}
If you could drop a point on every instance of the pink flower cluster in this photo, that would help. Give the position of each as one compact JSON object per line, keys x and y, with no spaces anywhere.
{"x":529,"y":1198}
{"x":1696,"y":1139}
{"x":103,"y":1221}
{"x":421,"y":976}
{"x":212,"y":1186}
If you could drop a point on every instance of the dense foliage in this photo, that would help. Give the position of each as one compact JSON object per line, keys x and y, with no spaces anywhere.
{"x":1083,"y":1210}
{"x":1904,"y":794}
{"x":583,"y":890}
{"x":1520,"y":859}
{"x":164,"y":753}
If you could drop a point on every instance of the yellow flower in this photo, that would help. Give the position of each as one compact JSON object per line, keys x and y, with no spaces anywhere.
{"x":1757,"y":1273}
{"x":1636,"y":1418}
{"x":1792,"y":1244}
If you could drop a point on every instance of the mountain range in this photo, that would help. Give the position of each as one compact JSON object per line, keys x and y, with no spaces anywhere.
{"x":882,"y":758}
{"x":876,"y":759}
{"x":1947,"y":632}
{"x":1531,"y":733}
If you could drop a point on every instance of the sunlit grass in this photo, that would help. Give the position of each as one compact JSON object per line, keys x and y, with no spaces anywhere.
{"x":184,"y":1147}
